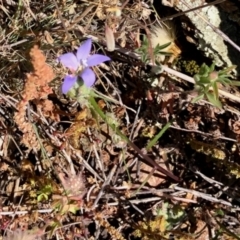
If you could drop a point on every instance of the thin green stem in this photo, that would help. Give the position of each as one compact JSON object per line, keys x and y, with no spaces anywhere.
{"x":131,"y":144}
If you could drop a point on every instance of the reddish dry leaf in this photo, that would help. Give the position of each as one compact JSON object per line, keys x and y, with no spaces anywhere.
{"x":189,"y":195}
{"x":144,"y":174}
{"x":235,"y":126}
{"x":202,"y":231}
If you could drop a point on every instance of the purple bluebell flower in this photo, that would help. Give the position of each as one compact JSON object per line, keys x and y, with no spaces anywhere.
{"x":80,"y":64}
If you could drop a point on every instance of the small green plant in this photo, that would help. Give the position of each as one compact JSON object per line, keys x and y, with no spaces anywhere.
{"x":44,"y":193}
{"x":83,"y":62}
{"x":162,"y":225}
{"x":190,"y":67}
{"x":171,"y":215}
{"x":70,"y":199}
{"x":207,"y":80}
{"x":42,"y":188}
{"x":144,"y":50}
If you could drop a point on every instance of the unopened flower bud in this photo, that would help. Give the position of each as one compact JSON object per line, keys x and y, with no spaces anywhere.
{"x":213,"y":76}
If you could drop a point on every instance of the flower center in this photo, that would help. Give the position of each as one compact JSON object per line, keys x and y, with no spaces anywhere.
{"x":83,"y":62}
{"x":82,"y":65}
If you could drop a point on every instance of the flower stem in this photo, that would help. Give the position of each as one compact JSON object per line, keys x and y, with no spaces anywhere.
{"x":131,"y":144}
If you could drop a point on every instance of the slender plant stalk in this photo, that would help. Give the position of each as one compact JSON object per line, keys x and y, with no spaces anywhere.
{"x":131,"y":144}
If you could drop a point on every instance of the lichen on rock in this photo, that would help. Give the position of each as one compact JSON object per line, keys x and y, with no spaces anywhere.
{"x":210,"y":42}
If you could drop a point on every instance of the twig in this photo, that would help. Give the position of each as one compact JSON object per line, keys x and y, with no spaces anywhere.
{"x":25,"y":212}
{"x":89,"y":192}
{"x":203,"y":195}
{"x":109,"y":178}
{"x":203,"y":133}
{"x":137,"y":209}
{"x":100,"y":163}
{"x":73,"y":172}
{"x":211,"y":181}
{"x":114,"y":101}
{"x":88,"y":167}
{"x":14,"y":44}
{"x":132,"y":134}
{"x":137,"y":201}
{"x":61,"y":19}
{"x":190,"y":10}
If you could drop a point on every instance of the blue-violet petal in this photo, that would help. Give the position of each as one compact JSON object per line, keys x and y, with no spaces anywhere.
{"x":88,"y":77}
{"x":96,"y":59}
{"x":68,"y":83}
{"x":69,"y":60}
{"x":83,"y":51}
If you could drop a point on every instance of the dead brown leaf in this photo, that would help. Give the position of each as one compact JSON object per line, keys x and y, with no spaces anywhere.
{"x":202,"y":231}
{"x":144,"y":174}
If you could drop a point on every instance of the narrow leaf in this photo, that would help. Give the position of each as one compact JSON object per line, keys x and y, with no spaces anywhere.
{"x":165,"y":53}
{"x":196,"y":99}
{"x":159,"y":135}
{"x":215,"y":90}
{"x":212,"y":99}
{"x":235,"y":83}
{"x":225,"y":81}
{"x":204,"y":80}
{"x":204,"y":70}
{"x":196,"y":78}
{"x":160,"y":47}
{"x":211,"y":69}
{"x":227,"y":70}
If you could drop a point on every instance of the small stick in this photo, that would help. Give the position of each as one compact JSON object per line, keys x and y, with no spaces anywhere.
{"x":190,"y":10}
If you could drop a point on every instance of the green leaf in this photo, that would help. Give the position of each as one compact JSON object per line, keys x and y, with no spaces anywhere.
{"x":196,"y":99}
{"x":159,"y":135}
{"x":212,"y":67}
{"x":42,"y":196}
{"x":199,"y":88}
{"x":196,"y":78}
{"x":144,"y":58}
{"x":73,"y":208}
{"x":204,"y":70}
{"x":224,"y":81}
{"x":204,"y":80}
{"x":235,"y":83}
{"x":166,"y":53}
{"x":161,"y":47}
{"x":227,"y":70}
{"x":224,"y":75}
{"x":205,"y":88}
{"x":54,"y":225}
{"x":219,"y":212}
{"x":39,"y":198}
{"x":212,"y":99}
{"x":215,"y":90}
